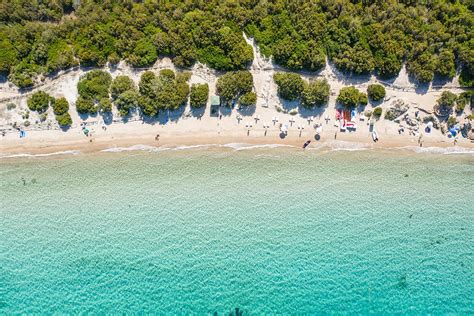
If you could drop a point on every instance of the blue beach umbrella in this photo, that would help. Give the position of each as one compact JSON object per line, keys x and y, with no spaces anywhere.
{"x":453,"y":131}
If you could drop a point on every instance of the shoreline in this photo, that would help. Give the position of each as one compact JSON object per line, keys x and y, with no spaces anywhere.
{"x":137,"y":136}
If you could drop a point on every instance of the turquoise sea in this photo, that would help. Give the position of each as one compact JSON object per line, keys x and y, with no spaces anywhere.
{"x":265,"y":230}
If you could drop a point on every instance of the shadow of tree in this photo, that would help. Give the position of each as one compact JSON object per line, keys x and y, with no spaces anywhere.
{"x":107,"y":117}
{"x":314,"y":112}
{"x":246,"y":110}
{"x":198,"y":112}
{"x":288,"y":105}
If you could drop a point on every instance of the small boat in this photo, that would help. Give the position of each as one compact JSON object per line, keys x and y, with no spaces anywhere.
{"x":375,"y":136}
{"x":306,"y":144}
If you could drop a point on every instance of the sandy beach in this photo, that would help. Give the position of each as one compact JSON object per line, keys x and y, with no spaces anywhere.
{"x":188,"y":127}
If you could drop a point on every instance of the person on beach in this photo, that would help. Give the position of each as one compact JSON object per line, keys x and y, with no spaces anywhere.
{"x":335,"y":135}
{"x":157,"y":137}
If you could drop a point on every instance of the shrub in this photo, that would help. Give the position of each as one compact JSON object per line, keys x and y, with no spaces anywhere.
{"x":290,"y":85}
{"x":368,"y":113}
{"x":377,"y":113}
{"x":11,"y":106}
{"x":60,"y":106}
{"x":146,"y":106}
{"x":460,"y":105}
{"x":363,"y":98}
{"x":94,"y":85}
{"x":350,"y":96}
{"x":121,"y":84}
{"x":452,"y":121}
{"x":26,"y":123}
{"x":167,"y":74}
{"x":144,"y":54}
{"x":85,"y":105}
{"x":39,"y":101}
{"x":447,"y":99}
{"x":376,"y":92}
{"x":199,"y":95}
{"x":105,"y":105}
{"x":248,"y":99}
{"x":64,"y":119}
{"x":126,"y":102}
{"x":316,"y":93}
{"x":232,"y":85}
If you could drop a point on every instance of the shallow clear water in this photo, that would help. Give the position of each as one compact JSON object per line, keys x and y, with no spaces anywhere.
{"x":267,"y":231}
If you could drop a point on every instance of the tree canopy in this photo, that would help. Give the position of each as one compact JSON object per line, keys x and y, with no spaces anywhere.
{"x":199,"y":95}
{"x":92,"y":87}
{"x":61,"y":108}
{"x":232,"y":85}
{"x":248,"y":99}
{"x":351,"y":97}
{"x":39,"y":101}
{"x":290,"y":85}
{"x":376,"y":92}
{"x":447,"y":99}
{"x":315,"y":93}
{"x":167,"y":91}
{"x":434,"y":37}
{"x":121,"y":84}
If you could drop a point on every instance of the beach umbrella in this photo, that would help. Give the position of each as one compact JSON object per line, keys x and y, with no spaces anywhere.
{"x":284,"y":128}
{"x":453,"y":131}
{"x":430,"y":124}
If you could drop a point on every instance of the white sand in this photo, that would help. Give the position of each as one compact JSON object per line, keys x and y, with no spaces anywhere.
{"x":191,"y":128}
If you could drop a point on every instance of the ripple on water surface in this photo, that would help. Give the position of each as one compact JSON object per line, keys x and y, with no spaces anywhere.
{"x":267,"y":231}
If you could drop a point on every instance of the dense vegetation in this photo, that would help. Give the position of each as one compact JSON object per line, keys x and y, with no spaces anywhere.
{"x":290,"y":85}
{"x":92,"y":87}
{"x":376,"y":92}
{"x":199,"y":95}
{"x":434,"y":37}
{"x":61,"y":108}
{"x":248,"y":99}
{"x":377,"y":113}
{"x":233,"y":85}
{"x":167,"y":91}
{"x":351,"y":97}
{"x":39,"y":101}
{"x":315,"y":93}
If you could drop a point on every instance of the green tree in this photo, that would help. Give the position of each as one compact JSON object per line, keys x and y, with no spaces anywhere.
{"x":39,"y":101}
{"x":376,"y":92}
{"x":95,"y":85}
{"x":377,"y":113}
{"x":147,"y":106}
{"x":199,"y":95}
{"x":447,"y":99}
{"x":105,"y":105}
{"x":350,"y":96}
{"x":316,"y":93}
{"x":121,"y":84}
{"x":248,"y":99}
{"x":146,"y":84}
{"x":232,"y":85}
{"x":126,"y":102}
{"x":290,"y":85}
{"x":363,"y":100}
{"x":85,"y":106}
{"x":64,"y":119}
{"x":144,"y":54}
{"x":445,"y":66}
{"x":60,"y":106}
